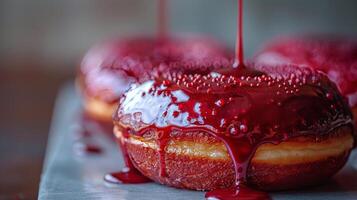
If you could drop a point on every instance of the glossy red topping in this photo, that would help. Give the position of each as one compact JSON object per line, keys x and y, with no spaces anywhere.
{"x":109,"y":69}
{"x":290,"y":99}
{"x":240,"y":193}
{"x":242,"y":107}
{"x":336,"y":57}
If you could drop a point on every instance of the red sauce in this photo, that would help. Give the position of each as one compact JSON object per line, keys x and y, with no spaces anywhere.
{"x":162,"y":19}
{"x":239,"y":192}
{"x":93,"y":149}
{"x":334,"y":56}
{"x":129,"y":174}
{"x":85,"y":148}
{"x":291,"y":102}
{"x":244,"y":107}
{"x":108,"y":70}
{"x":239,"y":59}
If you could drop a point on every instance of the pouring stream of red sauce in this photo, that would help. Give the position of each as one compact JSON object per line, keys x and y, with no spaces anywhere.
{"x":240,"y":106}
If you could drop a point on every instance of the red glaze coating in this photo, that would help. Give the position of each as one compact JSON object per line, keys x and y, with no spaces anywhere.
{"x":290,"y":102}
{"x":108,"y":70}
{"x":334,"y":56}
{"x":129,"y":174}
{"x":205,"y":173}
{"x":241,"y":107}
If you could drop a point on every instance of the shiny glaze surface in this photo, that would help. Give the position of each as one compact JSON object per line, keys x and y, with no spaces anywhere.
{"x":108,"y":70}
{"x":62,"y":177}
{"x":243,"y":107}
{"x":291,"y":99}
{"x":336,"y":57}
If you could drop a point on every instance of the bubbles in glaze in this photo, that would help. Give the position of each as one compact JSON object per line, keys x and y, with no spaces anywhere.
{"x":336,"y":57}
{"x":241,"y":107}
{"x":289,"y":98}
{"x":108,"y":70}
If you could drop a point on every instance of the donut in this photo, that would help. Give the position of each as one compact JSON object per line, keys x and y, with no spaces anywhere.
{"x":108,"y":69}
{"x":336,"y":57}
{"x":269,"y":127}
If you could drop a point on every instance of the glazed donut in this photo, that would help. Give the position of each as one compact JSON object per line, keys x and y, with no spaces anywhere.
{"x":335,"y":56}
{"x":272,"y":128}
{"x":108,"y":70}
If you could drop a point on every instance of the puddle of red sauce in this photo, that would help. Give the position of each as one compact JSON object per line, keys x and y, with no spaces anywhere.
{"x":238,"y":192}
{"x":86,"y":148}
{"x":241,"y":107}
{"x":126,"y":176}
{"x":129,"y":174}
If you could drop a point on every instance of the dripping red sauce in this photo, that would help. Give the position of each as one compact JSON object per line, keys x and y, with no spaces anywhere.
{"x":226,"y":107}
{"x":333,"y":55}
{"x":129,"y":174}
{"x":162,"y":20}
{"x":242,"y":150}
{"x":126,"y":176}
{"x":291,"y":102}
{"x":148,"y":58}
{"x":239,"y":57}
{"x":240,"y":192}
{"x":108,"y":70}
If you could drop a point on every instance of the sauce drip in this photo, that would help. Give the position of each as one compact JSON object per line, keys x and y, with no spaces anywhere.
{"x":126,"y":176}
{"x":242,"y":150}
{"x":129,"y":174}
{"x":290,"y":102}
{"x":226,"y":107}
{"x":239,"y":58}
{"x":239,"y":192}
{"x":332,"y":55}
{"x":162,"y":20}
{"x":108,"y":70}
